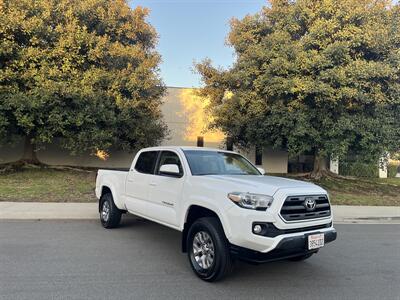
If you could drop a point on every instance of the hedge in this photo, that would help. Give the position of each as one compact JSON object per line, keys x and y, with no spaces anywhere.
{"x":393,"y":169}
{"x":358,"y":169}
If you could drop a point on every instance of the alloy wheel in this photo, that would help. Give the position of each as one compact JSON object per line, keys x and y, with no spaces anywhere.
{"x":105,"y":211}
{"x":203,"y":250}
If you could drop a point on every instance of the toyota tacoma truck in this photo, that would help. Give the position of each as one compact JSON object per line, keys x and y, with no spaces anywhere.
{"x":225,"y":207}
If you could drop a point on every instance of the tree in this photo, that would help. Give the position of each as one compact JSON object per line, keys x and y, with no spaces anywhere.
{"x":318,"y":76}
{"x":85,"y":71}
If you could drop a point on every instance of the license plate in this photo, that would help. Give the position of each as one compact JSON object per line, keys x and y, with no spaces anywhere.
{"x":316,"y":241}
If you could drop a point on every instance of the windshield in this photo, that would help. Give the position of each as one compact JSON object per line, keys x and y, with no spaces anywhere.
{"x":218,"y":163}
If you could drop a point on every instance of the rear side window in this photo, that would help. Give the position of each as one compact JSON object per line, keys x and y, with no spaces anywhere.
{"x":146,"y":162}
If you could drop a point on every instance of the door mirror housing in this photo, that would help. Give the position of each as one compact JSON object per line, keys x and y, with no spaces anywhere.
{"x":261,"y":170}
{"x":170,"y":169}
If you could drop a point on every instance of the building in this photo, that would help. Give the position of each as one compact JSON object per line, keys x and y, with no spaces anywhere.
{"x":184,"y":114}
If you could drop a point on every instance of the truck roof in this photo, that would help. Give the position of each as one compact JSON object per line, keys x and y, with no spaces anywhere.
{"x":186,"y":148}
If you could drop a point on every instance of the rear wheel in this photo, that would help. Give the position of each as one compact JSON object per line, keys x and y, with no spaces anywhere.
{"x":110,"y":215}
{"x":208,"y":249}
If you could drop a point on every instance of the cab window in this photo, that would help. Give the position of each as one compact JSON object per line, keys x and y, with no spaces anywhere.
{"x":146,"y":162}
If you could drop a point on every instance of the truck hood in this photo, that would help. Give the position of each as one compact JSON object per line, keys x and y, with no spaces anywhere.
{"x":261,"y":184}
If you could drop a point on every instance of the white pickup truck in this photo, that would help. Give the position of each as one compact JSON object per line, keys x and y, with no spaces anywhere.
{"x":224,"y":206}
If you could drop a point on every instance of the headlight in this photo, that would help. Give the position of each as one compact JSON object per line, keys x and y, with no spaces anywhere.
{"x":251,"y":201}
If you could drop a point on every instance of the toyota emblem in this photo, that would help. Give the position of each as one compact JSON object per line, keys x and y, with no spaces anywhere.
{"x":310,"y":204}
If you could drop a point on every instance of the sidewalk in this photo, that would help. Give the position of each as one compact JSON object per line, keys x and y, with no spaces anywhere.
{"x":55,"y":211}
{"x":89,"y":211}
{"x":366,"y":214}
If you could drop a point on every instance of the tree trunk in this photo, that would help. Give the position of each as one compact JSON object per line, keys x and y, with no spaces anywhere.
{"x":30,"y":151}
{"x":320,"y":166}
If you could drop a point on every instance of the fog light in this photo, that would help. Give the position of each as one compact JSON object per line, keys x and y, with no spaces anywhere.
{"x":257,"y":229}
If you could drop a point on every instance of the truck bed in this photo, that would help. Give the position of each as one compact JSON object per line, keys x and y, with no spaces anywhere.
{"x":115,"y":178}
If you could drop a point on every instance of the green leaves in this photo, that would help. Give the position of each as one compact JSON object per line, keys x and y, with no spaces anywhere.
{"x":319,"y":76}
{"x":84,"y":71}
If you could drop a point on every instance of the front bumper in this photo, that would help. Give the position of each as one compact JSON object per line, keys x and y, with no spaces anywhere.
{"x":238,"y":224}
{"x":287,"y":247}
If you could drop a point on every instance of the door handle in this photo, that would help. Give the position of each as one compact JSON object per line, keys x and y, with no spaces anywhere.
{"x":152,"y":183}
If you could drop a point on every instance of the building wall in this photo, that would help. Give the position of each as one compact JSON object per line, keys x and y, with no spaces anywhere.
{"x":273,"y":161}
{"x":184,"y":114}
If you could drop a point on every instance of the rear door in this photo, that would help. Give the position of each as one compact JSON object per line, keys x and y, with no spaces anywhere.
{"x":166,"y":190}
{"x":138,"y":180}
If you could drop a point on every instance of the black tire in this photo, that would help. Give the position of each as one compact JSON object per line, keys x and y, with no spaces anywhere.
{"x":302,"y":257}
{"x":113,"y":217}
{"x":222,"y":262}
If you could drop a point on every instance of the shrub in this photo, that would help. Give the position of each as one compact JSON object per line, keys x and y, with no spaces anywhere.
{"x":393,"y":168}
{"x":358,"y":168}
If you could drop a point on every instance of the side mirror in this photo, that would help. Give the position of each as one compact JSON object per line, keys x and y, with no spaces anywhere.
{"x":170,"y":169}
{"x":261,"y":170}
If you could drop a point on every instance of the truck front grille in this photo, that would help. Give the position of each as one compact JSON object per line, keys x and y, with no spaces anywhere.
{"x":297,"y":208}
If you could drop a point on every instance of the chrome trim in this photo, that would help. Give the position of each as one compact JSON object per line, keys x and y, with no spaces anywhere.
{"x":306,"y":220}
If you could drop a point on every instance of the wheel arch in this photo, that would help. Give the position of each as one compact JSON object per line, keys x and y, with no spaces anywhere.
{"x":104,"y":190}
{"x":193,"y":213}
{"x":110,"y":189}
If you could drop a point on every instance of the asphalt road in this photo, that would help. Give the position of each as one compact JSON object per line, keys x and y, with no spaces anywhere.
{"x":142,"y":260}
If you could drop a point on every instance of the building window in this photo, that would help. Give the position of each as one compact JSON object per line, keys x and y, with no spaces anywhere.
{"x":229,"y":144}
{"x":258,"y":156}
{"x":200,"y":141}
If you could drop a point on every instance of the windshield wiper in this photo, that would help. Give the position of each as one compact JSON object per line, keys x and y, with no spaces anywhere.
{"x":238,"y":174}
{"x":203,"y":174}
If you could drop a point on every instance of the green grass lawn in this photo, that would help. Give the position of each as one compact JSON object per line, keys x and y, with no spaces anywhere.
{"x":362,"y":191}
{"x":48,"y":185}
{"x":52,"y":185}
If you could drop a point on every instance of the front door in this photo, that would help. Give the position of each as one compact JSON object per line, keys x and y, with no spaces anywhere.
{"x":166,"y":190}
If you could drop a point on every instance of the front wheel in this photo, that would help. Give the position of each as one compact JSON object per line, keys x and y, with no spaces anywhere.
{"x":208,"y":250}
{"x":110,"y":215}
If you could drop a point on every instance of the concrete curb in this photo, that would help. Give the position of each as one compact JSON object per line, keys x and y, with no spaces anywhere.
{"x":89,"y":211}
{"x":366,"y":214}
{"x":47,"y":211}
